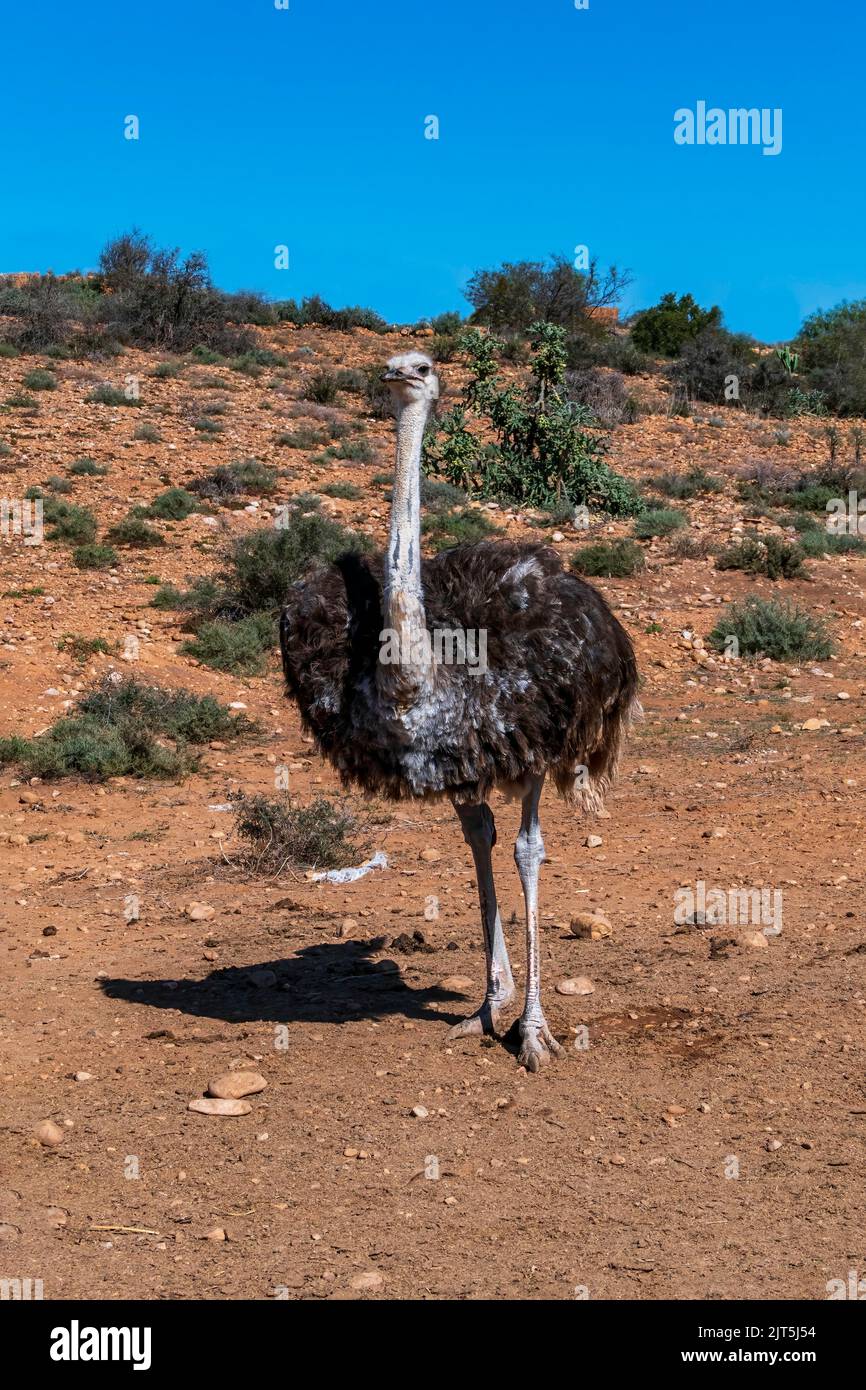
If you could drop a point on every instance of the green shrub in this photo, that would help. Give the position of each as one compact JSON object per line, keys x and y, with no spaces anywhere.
{"x":446,"y":529}
{"x":247,"y":477}
{"x":302,"y":438}
{"x":833,"y":347}
{"x":87,"y":468}
{"x":281,"y":835}
{"x":682,"y":486}
{"x":544,"y":450}
{"x":348,"y":491}
{"x":106,"y":394}
{"x":517,"y":295}
{"x":658,"y":521}
{"x":670,"y":324}
{"x":321,"y":388}
{"x":206,"y":425}
{"x":766,"y":627}
{"x":113,"y":732}
{"x":167,"y":370}
{"x":260,"y":567}
{"x":149,"y":434}
{"x":817,"y":542}
{"x":61,"y":485}
{"x":70,"y":524}
{"x":609,"y":559}
{"x":240,"y":647}
{"x":82,"y":648}
{"x":40,"y":379}
{"x":767,"y":555}
{"x":175,"y":504}
{"x":134,"y":533}
{"x":94,"y":557}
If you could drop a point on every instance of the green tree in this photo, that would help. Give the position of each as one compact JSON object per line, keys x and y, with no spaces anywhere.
{"x":545,"y":448}
{"x":671,"y":323}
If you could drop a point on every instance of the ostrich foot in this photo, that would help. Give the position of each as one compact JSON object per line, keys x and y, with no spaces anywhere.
{"x":485,"y":1020}
{"x":537,"y":1043}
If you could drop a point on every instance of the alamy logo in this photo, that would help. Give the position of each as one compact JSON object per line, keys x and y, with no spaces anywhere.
{"x":445,"y":646}
{"x":77,"y":1343}
{"x":22,"y":517}
{"x":847,"y":518}
{"x":738,"y":126}
{"x":853,"y":1287}
{"x":737,"y":907}
{"x":20,"y":1290}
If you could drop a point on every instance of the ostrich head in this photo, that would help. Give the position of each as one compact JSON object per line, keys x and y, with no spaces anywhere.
{"x":411,"y":379}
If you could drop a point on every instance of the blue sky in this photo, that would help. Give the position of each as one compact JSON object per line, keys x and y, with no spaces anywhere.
{"x":305,"y":127}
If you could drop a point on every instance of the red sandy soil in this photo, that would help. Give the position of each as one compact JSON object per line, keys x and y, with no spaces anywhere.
{"x":708,"y":1143}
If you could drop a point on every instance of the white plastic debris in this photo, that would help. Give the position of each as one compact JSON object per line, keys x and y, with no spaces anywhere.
{"x":378,"y":861}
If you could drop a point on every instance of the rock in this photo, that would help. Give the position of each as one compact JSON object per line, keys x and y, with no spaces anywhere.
{"x":370,"y":1279}
{"x":216,"y":1234}
{"x":590,"y":926}
{"x":755,"y":939}
{"x":420,"y":1112}
{"x":773,"y":1145}
{"x":456,"y":984}
{"x":430,"y":856}
{"x":233,"y":1085}
{"x":812,"y":724}
{"x":49,"y":1134}
{"x":83,"y":1076}
{"x":218,"y":1106}
{"x":262,"y":979}
{"x":200,"y":912}
{"x":593,"y":842}
{"x":581,"y":984}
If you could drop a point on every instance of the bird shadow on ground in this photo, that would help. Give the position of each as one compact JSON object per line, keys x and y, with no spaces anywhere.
{"x":334,"y":982}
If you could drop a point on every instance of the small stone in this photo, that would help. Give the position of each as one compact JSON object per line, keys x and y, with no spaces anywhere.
{"x":206,"y":1106}
{"x":590,"y":926}
{"x":579,"y":985}
{"x":456,"y":984}
{"x":262,"y":979}
{"x":49,"y":1134}
{"x":200,"y":912}
{"x":430,"y":856}
{"x":675,"y":1110}
{"x":593,"y":842}
{"x":757,"y":940}
{"x":370,"y":1279}
{"x":233,"y":1085}
{"x":420,"y":1112}
{"x":812,"y":724}
{"x":83,"y":1076}
{"x":773,"y":1145}
{"x":216,"y":1234}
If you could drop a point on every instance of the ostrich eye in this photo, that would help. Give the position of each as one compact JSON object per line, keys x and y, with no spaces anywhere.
{"x":423,"y":370}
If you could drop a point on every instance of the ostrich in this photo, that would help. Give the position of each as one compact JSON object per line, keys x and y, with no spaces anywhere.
{"x":555,"y":693}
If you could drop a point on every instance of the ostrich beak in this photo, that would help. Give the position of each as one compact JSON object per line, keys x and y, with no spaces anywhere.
{"x":395,"y":374}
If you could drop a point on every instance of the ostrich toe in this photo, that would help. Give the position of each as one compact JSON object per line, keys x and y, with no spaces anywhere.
{"x":537,"y":1044}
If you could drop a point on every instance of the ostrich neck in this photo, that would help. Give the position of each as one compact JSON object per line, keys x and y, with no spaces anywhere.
{"x":406,"y":680}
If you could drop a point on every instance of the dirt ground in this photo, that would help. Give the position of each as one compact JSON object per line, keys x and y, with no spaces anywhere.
{"x":704,"y":1139}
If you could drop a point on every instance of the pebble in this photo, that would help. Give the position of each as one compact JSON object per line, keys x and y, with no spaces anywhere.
{"x":593,"y":842}
{"x":456,"y":984}
{"x":263,"y":978}
{"x":755,"y":939}
{"x":591,"y":926}
{"x":370,"y":1279}
{"x":581,"y":984}
{"x":420,"y":1112}
{"x":200,"y":912}
{"x":205,"y":1106}
{"x":430,"y":856}
{"x":233,"y":1085}
{"x":49,"y":1134}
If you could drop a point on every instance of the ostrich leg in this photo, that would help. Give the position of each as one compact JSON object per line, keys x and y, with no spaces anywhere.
{"x":479,"y":832}
{"x":537,"y":1041}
